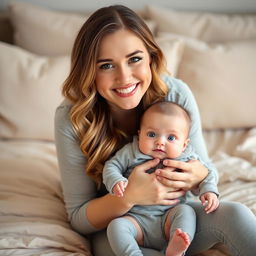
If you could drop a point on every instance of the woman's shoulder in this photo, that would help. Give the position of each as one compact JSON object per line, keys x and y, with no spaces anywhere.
{"x":62,"y":118}
{"x":179,"y":92}
{"x":176,"y":86}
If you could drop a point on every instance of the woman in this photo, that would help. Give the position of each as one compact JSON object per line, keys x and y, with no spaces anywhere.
{"x":117,"y":70}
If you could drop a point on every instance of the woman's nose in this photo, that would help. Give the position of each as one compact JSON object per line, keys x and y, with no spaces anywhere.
{"x":123,"y":75}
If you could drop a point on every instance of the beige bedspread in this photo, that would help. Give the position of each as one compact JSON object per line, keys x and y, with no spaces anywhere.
{"x":32,"y":214}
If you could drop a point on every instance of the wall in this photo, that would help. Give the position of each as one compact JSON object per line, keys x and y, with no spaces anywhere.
{"x":242,"y":6}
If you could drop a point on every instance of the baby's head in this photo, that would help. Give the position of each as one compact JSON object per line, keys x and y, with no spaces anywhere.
{"x":164,"y":130}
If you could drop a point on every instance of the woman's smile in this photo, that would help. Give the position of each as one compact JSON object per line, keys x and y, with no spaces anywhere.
{"x":127,"y":91}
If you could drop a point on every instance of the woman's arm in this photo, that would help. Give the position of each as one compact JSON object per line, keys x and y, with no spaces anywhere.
{"x":142,"y":189}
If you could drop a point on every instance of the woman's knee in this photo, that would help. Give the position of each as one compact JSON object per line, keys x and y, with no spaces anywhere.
{"x":234,"y":209}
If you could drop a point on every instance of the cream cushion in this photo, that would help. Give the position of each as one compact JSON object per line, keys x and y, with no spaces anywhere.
{"x":43,"y":31}
{"x":222,"y":78}
{"x":47,"y":32}
{"x":30,"y":90}
{"x":172,"y":49}
{"x":209,"y":27}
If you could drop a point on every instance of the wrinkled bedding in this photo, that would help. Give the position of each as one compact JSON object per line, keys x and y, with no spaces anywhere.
{"x":32,"y":213}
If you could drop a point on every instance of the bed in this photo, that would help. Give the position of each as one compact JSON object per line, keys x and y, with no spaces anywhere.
{"x":214,"y":53}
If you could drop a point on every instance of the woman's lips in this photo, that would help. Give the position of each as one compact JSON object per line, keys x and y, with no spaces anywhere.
{"x":127,"y":91}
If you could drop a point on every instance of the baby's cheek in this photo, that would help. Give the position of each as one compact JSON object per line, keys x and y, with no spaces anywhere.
{"x":174,"y":151}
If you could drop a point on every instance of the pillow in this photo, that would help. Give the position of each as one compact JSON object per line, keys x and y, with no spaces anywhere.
{"x":47,"y":32}
{"x":222,"y":78}
{"x":209,"y":27}
{"x":30,"y":91}
{"x":43,"y":31}
{"x":172,"y":49}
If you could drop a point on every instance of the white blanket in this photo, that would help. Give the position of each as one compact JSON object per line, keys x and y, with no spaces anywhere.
{"x":33,"y":220}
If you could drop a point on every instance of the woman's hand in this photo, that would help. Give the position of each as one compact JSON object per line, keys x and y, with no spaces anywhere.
{"x":189,"y":176}
{"x":145,"y":189}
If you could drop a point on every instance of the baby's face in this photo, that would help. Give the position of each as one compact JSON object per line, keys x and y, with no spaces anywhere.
{"x":163,"y":136}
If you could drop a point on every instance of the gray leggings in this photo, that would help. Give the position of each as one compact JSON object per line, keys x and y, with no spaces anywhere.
{"x":232,"y":224}
{"x":122,"y":233}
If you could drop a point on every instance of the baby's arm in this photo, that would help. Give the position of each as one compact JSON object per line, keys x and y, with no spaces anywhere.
{"x":210,"y":201}
{"x":114,"y":169}
{"x":119,"y":188}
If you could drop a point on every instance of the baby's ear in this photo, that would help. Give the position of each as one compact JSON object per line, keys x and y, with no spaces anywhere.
{"x":187,"y":141}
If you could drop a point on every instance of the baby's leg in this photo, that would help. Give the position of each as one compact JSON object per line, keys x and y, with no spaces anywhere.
{"x":122,"y":234}
{"x":181,"y":225}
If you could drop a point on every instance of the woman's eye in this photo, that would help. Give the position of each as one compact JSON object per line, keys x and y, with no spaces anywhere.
{"x":106,"y":66}
{"x":134,"y":59}
{"x":151,"y":134}
{"x":171,"y":138}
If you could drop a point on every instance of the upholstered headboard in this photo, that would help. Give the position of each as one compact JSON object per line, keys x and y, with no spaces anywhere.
{"x":227,"y":6}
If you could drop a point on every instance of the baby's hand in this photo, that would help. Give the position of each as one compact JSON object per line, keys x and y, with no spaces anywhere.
{"x":119,"y":188}
{"x":210,"y":201}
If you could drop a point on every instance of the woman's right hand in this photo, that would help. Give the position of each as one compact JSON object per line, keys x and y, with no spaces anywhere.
{"x":144,"y":188}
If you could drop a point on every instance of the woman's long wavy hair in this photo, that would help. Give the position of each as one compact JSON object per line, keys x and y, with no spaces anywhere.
{"x":90,"y":117}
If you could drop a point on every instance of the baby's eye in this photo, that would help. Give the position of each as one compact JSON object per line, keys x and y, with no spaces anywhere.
{"x":151,"y":134}
{"x":134,"y":59}
{"x":106,"y":66}
{"x":172,"y":138}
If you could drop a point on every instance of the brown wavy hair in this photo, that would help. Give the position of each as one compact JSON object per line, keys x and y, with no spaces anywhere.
{"x":90,"y":117}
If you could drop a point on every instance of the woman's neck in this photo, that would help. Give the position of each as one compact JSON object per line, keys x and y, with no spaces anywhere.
{"x":126,"y":120}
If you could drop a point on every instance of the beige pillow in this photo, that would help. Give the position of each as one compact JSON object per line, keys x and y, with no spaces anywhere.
{"x":43,"y":31}
{"x":172,"y":49}
{"x":205,"y":26}
{"x":222,"y":78}
{"x":30,"y":90}
{"x":47,"y":32}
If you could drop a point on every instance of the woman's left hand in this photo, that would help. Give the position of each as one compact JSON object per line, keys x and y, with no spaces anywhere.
{"x":188,"y":176}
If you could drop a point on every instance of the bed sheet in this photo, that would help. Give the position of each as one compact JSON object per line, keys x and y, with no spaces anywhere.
{"x":33,"y":219}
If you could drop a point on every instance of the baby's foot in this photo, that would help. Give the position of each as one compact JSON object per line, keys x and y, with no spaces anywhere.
{"x":178,"y":244}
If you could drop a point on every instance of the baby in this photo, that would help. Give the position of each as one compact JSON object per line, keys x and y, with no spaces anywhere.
{"x":164,"y":133}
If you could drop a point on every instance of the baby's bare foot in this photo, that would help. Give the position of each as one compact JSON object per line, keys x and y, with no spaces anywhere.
{"x":178,"y":244}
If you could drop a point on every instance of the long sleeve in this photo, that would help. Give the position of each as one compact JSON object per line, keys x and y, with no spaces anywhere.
{"x":115,"y":167}
{"x":78,"y":188}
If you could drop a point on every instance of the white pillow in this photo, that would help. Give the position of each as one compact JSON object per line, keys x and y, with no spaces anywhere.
{"x":209,"y":27}
{"x":222,"y":78}
{"x":47,"y":32}
{"x":30,"y":91}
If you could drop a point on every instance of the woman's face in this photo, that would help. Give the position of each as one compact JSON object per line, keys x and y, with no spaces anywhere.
{"x":123,"y":69}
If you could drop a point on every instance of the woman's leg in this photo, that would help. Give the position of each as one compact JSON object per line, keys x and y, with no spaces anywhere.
{"x":232,"y":224}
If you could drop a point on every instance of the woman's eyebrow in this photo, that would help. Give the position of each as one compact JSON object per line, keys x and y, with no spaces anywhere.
{"x":127,"y":56}
{"x":104,"y":60}
{"x":133,"y":53}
